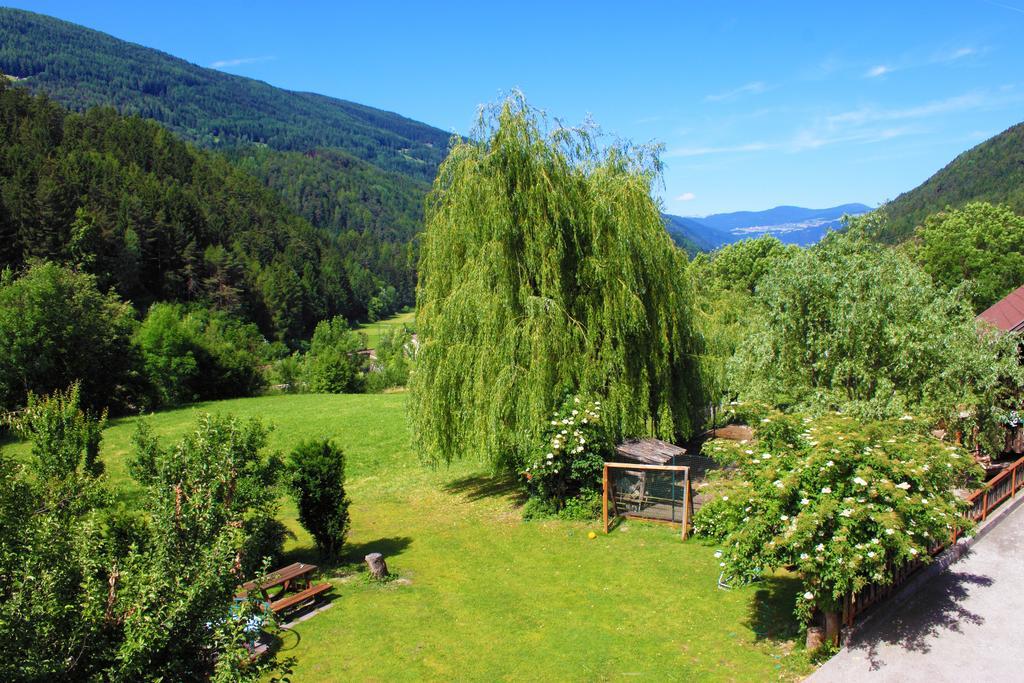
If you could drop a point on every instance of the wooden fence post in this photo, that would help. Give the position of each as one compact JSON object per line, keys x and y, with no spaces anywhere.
{"x":604,"y":498}
{"x":687,"y":507}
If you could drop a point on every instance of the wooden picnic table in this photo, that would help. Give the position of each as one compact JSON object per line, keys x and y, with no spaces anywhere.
{"x":297,"y":575}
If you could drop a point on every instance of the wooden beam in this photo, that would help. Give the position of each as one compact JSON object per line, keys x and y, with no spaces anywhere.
{"x":636,"y":466}
{"x":604,"y":497}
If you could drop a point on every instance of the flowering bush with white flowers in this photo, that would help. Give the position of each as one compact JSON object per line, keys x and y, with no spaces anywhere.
{"x":565,"y":471}
{"x":843,"y":502}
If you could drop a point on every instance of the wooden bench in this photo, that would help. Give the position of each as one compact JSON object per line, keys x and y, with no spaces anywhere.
{"x":295,"y":599}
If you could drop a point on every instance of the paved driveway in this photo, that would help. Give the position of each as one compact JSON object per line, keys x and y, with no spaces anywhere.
{"x":965,"y":624}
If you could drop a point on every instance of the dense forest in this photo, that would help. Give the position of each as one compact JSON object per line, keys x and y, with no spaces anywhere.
{"x":359,"y":173}
{"x":82,"y":68}
{"x":157,"y":220}
{"x":990,"y":172}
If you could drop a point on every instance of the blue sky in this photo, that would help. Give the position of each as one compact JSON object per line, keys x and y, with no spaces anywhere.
{"x":756,"y":103}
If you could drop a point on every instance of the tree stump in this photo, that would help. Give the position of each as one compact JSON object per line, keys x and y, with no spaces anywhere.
{"x":815,"y":638}
{"x":378,"y":567}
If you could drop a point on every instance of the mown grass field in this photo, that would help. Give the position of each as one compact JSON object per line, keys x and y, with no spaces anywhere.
{"x":485,"y":596}
{"x":374,"y":331}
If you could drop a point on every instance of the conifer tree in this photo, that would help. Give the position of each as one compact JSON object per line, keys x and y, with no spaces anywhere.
{"x":546,"y":270}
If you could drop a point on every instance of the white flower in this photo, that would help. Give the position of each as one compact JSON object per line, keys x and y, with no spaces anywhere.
{"x":804,"y":501}
{"x":575,"y":412}
{"x":784,"y":518}
{"x":903,"y":485}
{"x":826,"y":489}
{"x":820,"y":547}
{"x":808,"y":595}
{"x":749,"y":452}
{"x":906,"y":418}
{"x":804,"y":556}
{"x":846,"y":512}
{"x":778,"y":483}
{"x":924,"y":501}
{"x":830,"y":464}
{"x":871,"y":553}
{"x":955,"y":456}
{"x":718,"y":553}
{"x":765,"y":420}
{"x":725,"y":497}
{"x":721,"y":564}
{"x":553,"y":422}
{"x":890,"y":532}
{"x":858,"y":480}
{"x":766,"y":456}
{"x":550,"y":455}
{"x":913,"y":551}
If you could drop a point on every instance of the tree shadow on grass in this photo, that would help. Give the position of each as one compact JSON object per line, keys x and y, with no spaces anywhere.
{"x":937,"y":607}
{"x":479,"y":486}
{"x":353,"y":554}
{"x":770,"y":615}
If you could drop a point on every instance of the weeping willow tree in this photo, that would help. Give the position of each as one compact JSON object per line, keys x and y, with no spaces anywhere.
{"x":546,"y":270}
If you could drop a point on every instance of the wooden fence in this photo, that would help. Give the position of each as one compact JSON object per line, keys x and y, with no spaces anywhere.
{"x":998,"y":490}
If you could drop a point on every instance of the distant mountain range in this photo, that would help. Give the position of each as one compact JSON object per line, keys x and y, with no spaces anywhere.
{"x":790,"y":224}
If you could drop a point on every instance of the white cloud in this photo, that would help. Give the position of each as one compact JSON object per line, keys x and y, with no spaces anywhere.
{"x":754,"y":88}
{"x":702,"y":151}
{"x":224,"y":63}
{"x":686,"y":197}
{"x":972,"y":100}
{"x":865,"y":125}
{"x":877,"y":71}
{"x":961,"y":53}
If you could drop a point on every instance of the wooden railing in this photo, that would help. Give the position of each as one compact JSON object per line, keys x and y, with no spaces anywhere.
{"x":994,"y":493}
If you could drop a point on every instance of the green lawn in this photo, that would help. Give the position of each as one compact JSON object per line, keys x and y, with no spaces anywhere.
{"x":486,"y":596}
{"x":374,"y":331}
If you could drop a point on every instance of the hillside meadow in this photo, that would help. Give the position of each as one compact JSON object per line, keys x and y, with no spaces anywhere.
{"x":483,"y":595}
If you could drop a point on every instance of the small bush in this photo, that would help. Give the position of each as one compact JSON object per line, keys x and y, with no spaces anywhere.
{"x":569,"y":460}
{"x":334,"y":364}
{"x":395,"y":353}
{"x":317,"y":482}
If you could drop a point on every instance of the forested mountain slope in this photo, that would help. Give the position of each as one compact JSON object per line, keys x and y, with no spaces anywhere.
{"x":156,"y":219}
{"x":992,"y":171}
{"x":82,"y":68}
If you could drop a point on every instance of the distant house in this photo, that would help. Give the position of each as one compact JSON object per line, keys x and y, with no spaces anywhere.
{"x":1007,"y":314}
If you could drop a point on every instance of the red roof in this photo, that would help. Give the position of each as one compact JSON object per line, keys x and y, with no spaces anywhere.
{"x":1008,"y":313}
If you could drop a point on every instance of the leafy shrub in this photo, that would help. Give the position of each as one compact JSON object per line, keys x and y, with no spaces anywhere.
{"x":334,"y":364}
{"x":50,"y":543}
{"x":569,"y":459}
{"x":317,"y":482}
{"x":844,"y":501}
{"x":56,"y":328}
{"x":197,"y":354}
{"x":289,"y":372}
{"x":395,"y":353}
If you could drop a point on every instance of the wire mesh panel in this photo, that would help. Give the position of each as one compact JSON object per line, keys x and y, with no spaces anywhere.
{"x":659,"y":493}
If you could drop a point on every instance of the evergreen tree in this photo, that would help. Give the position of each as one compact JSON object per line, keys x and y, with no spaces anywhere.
{"x":546,"y":270}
